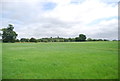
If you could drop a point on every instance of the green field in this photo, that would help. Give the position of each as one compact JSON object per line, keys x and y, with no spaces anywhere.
{"x":0,"y":60}
{"x":80,"y":60}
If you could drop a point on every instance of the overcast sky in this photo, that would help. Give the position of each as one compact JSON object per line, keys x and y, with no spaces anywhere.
{"x":63,"y":18}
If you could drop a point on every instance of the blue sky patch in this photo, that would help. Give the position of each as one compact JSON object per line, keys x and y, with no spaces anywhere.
{"x":77,"y":1}
{"x":102,"y":19}
{"x":49,"y":6}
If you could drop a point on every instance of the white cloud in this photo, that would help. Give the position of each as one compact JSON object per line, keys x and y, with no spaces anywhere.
{"x":86,"y":12}
{"x":67,"y":19}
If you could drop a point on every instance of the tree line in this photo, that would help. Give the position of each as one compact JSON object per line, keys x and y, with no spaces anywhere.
{"x":9,"y":35}
{"x":57,"y":39}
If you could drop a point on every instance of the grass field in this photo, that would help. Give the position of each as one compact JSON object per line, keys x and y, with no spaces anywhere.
{"x":81,"y":60}
{"x":0,"y":60}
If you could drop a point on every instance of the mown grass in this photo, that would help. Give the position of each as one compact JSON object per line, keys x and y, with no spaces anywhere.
{"x":80,"y":60}
{"x":0,"y":60}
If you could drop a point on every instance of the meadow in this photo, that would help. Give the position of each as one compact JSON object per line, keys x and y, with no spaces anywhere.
{"x":0,"y":60}
{"x":60,"y":60}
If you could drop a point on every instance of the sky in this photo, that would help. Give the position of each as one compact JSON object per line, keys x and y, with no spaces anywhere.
{"x":63,"y":18}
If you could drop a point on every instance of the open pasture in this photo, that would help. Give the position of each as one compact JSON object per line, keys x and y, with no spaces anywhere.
{"x":77,"y":60}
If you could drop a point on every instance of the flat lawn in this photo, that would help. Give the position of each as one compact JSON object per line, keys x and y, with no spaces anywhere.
{"x":80,"y":60}
{"x":0,"y":60}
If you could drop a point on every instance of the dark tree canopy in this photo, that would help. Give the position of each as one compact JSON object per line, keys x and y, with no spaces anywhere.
{"x":33,"y":40}
{"x":24,"y":40}
{"x":89,"y":39}
{"x":81,"y":37}
{"x":8,"y":34}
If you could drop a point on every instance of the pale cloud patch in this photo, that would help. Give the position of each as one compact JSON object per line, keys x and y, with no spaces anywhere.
{"x":65,"y":19}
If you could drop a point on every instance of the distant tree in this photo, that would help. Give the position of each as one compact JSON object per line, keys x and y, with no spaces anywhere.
{"x":99,"y":40}
{"x":33,"y":40}
{"x":61,"y":40}
{"x":94,"y":39}
{"x":8,"y":34}
{"x":44,"y":40}
{"x":51,"y":39}
{"x":0,"y":34}
{"x":114,"y":40}
{"x":77,"y":39}
{"x":81,"y":37}
{"x":17,"y":40}
{"x":24,"y":40}
{"x":89,"y":39}
{"x":69,"y":39}
{"x":39,"y":40}
{"x":105,"y":40}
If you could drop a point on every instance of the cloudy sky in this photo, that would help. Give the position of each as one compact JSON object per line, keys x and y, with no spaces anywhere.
{"x":63,"y":18}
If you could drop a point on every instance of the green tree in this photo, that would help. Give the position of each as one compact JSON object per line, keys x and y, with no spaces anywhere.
{"x":33,"y":40}
{"x":17,"y":40}
{"x":24,"y":40}
{"x":81,"y":37}
{"x":8,"y":34}
{"x":44,"y":40}
{"x":89,"y":39}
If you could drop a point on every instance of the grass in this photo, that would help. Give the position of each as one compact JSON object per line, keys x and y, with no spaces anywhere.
{"x":0,"y":60}
{"x":81,"y":60}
